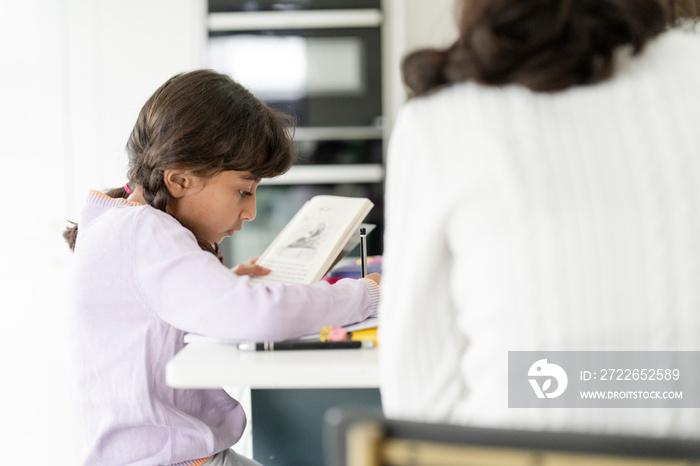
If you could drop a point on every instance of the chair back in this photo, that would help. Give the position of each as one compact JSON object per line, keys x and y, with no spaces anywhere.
{"x":368,"y":439}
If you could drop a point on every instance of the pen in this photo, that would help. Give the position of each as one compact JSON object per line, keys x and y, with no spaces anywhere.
{"x":363,"y":251}
{"x":304,"y":345}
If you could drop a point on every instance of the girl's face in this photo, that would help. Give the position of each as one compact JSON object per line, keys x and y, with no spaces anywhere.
{"x":213,"y":208}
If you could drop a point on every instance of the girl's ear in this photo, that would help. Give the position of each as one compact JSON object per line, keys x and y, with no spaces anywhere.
{"x":178,"y":182}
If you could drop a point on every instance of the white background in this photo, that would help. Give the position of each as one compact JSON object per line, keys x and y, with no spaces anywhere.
{"x":74,"y":76}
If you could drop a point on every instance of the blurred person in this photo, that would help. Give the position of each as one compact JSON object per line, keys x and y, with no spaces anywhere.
{"x":684,"y":13}
{"x":542,"y":195}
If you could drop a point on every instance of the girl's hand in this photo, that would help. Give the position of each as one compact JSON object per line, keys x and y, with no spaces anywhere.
{"x":250,"y":268}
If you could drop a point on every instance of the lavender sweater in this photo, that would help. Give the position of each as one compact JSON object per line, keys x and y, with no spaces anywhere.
{"x":142,"y":282}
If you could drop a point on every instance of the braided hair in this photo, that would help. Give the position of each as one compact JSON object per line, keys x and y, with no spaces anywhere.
{"x":544,"y":45}
{"x":205,"y":122}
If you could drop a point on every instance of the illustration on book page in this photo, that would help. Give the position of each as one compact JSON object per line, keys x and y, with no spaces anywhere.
{"x":309,"y":244}
{"x":306,"y":244}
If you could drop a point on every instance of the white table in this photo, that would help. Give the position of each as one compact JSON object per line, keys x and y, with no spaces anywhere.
{"x":213,"y":365}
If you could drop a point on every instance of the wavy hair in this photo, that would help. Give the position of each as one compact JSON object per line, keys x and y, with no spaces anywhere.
{"x":683,"y":12}
{"x":205,"y":122}
{"x":544,"y":45}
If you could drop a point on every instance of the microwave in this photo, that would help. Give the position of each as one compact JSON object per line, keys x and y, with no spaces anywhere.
{"x":321,"y":61}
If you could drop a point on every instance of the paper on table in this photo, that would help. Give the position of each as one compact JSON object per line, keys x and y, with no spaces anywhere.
{"x":197,"y":338}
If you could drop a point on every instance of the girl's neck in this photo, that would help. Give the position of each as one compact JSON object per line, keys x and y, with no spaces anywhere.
{"x":137,"y":195}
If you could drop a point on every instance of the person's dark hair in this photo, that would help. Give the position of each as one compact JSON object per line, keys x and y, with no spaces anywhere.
{"x":683,"y":11}
{"x":545,"y":45}
{"x":205,"y":122}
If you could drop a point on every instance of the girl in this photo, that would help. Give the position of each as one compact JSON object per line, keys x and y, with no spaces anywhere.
{"x":148,"y":270}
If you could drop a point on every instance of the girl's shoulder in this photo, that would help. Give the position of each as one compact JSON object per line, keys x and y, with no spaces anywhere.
{"x":100,"y":199}
{"x":119,"y":219}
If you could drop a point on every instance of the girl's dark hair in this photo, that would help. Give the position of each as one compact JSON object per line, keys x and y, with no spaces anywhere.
{"x":545,"y":45}
{"x":205,"y":122}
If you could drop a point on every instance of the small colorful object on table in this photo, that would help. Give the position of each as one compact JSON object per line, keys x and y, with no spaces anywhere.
{"x":338,"y":333}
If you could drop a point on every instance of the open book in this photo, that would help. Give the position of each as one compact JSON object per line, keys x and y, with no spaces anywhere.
{"x":314,"y":240}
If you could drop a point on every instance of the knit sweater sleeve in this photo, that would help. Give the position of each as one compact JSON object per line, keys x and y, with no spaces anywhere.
{"x":191,"y":290}
{"x":420,"y":341}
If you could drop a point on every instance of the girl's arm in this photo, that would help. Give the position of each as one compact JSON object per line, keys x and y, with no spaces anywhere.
{"x":191,"y":290}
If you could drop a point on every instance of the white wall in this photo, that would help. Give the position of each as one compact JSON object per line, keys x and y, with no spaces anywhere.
{"x":74,"y":75}
{"x":412,"y":25}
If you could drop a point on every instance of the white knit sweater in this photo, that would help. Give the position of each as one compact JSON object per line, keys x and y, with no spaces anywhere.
{"x":533,"y":221}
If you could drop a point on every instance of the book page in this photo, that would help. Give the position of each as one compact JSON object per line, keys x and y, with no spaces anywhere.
{"x":300,"y":251}
{"x":308,"y":245}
